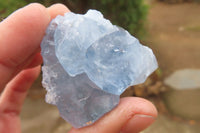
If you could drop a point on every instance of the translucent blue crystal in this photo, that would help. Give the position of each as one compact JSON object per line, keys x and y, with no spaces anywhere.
{"x":88,"y":63}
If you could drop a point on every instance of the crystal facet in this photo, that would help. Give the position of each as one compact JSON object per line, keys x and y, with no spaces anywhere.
{"x":88,"y":63}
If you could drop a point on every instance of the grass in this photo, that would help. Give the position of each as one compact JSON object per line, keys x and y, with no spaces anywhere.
{"x":195,"y":28}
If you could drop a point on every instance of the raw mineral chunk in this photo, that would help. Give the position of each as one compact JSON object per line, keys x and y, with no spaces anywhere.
{"x":88,"y":63}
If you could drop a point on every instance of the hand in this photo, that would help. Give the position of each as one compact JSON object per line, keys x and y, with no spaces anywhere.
{"x":20,"y":37}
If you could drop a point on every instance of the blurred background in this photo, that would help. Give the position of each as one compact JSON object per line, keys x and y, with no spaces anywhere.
{"x":171,"y":28}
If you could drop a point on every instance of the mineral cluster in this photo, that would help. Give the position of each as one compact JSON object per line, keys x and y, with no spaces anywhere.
{"x":88,"y":63}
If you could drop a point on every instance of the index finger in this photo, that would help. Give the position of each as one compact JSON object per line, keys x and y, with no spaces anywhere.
{"x":21,"y":34}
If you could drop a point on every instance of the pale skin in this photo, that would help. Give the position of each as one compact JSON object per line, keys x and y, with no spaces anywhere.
{"x":20,"y":37}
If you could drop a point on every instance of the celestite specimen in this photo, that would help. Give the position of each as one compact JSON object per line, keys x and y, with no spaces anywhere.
{"x":88,"y":63}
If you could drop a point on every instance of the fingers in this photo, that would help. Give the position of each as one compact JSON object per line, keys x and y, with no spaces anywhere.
{"x":132,"y":115}
{"x":56,"y":9}
{"x":21,"y":34}
{"x":15,"y":92}
{"x":37,"y":60}
{"x":20,"y":38}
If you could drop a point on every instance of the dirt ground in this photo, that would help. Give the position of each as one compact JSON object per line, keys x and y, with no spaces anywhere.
{"x":174,"y":35}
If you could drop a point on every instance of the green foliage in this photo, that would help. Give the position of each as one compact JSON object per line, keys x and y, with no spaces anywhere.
{"x":129,"y":14}
{"x":9,"y":6}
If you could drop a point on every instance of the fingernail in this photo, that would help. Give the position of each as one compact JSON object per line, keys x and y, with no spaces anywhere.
{"x":138,"y":123}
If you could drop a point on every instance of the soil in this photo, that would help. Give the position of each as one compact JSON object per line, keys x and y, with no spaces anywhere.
{"x":174,"y":35}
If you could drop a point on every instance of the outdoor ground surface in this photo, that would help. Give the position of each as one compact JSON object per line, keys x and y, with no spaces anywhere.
{"x":174,"y":36}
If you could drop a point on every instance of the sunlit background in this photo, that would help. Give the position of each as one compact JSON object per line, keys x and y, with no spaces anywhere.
{"x":171,"y":28}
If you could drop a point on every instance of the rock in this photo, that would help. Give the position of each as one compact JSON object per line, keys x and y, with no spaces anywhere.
{"x":184,"y":79}
{"x":183,"y":103}
{"x":88,"y":63}
{"x":183,"y":98}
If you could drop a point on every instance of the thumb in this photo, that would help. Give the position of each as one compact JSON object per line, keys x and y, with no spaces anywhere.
{"x":132,"y":115}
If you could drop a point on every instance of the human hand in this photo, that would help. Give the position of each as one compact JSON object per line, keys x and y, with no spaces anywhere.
{"x":20,"y":37}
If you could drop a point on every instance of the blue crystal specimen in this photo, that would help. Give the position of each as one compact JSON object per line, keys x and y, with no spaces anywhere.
{"x":88,"y":63}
